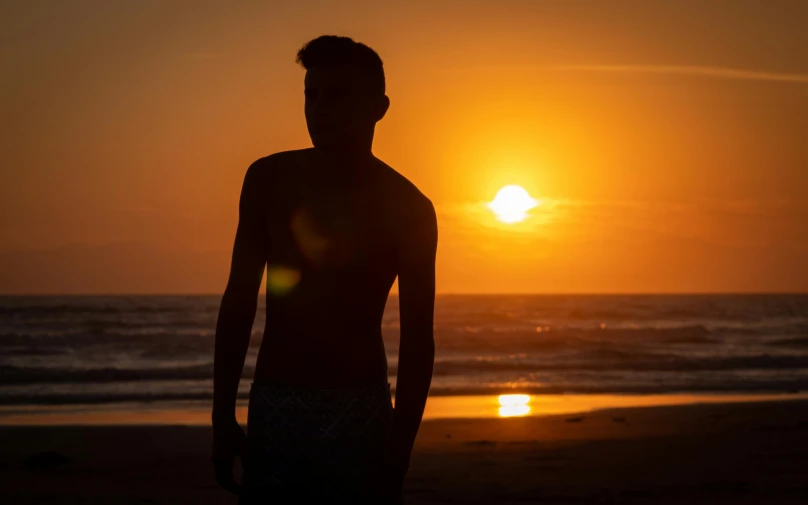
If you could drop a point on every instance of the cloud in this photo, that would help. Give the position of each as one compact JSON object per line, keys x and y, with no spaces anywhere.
{"x":726,"y":223}
{"x":715,"y":72}
{"x":689,"y":70}
{"x":471,"y":216}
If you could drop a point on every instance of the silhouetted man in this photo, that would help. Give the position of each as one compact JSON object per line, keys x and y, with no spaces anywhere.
{"x":334,"y":226}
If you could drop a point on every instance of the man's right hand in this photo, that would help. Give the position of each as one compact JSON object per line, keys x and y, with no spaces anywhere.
{"x":229,"y":442}
{"x":393,"y":468}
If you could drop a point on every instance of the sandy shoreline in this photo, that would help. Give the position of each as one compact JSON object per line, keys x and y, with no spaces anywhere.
{"x":711,"y":453}
{"x":197,"y":413}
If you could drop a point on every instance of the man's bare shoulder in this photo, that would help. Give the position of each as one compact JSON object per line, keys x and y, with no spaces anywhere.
{"x":281,"y":160}
{"x":408,"y":201}
{"x":277,"y":169}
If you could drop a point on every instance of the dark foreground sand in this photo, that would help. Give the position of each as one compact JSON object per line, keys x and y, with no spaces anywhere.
{"x":735,"y":453}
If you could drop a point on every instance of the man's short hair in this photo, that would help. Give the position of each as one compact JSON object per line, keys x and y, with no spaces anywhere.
{"x":334,"y":50}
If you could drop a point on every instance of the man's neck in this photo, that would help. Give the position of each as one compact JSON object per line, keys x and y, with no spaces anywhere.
{"x":345,"y":156}
{"x":346,"y":163}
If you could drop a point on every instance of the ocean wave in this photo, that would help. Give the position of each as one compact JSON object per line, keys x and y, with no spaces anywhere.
{"x":795,"y":343}
{"x":606,"y":360}
{"x":193,"y":338}
{"x":160,"y":342}
{"x":548,"y":338}
{"x":42,"y":375}
{"x":540,"y":337}
{"x":31,"y":351}
{"x":625,"y":362}
{"x":161,"y":347}
{"x":22,"y":306}
{"x":794,"y":386}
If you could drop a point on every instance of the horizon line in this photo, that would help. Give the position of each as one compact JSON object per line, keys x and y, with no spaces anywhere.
{"x":451,"y":293}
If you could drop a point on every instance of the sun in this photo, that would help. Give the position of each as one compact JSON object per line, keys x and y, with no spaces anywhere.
{"x":512,"y":203}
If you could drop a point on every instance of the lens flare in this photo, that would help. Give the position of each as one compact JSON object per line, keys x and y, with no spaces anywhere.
{"x":310,"y":240}
{"x":281,"y":279}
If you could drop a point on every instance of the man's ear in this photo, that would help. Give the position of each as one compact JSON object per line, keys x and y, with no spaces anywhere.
{"x":382,"y":106}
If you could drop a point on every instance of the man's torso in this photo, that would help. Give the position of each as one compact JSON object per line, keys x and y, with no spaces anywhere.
{"x":333,"y":236}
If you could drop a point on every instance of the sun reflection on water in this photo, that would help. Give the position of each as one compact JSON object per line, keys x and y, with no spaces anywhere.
{"x":514,"y":405}
{"x":514,"y":410}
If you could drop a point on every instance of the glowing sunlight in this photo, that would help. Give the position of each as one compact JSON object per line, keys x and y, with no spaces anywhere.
{"x":512,"y":203}
{"x":514,"y":405}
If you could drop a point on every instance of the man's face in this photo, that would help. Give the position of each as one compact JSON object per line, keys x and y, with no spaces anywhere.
{"x":341,"y":107}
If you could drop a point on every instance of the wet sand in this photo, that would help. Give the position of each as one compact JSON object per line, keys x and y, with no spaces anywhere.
{"x":743,"y":453}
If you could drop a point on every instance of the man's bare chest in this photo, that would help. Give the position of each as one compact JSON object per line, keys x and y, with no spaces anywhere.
{"x":330,"y":227}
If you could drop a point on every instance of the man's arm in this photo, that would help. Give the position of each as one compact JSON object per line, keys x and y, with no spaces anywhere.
{"x":416,"y":288}
{"x":240,"y":299}
{"x":234,"y":326}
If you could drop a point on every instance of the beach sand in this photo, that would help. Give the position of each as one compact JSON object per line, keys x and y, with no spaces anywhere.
{"x":697,"y":454}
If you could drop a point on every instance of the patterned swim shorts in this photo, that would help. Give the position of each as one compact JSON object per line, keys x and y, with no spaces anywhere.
{"x":315,"y":445}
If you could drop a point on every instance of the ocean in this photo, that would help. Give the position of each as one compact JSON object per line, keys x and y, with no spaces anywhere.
{"x":69,"y":350}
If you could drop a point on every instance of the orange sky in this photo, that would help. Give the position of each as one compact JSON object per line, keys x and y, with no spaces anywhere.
{"x":666,"y":140}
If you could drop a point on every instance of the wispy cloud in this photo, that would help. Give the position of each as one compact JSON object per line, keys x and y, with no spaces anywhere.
{"x":732,"y":224}
{"x":690,"y":70}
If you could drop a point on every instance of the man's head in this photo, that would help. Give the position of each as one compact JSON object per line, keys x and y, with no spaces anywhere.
{"x":344,"y":92}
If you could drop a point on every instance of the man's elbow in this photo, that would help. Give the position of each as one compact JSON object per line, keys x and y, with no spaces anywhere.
{"x":421,"y":341}
{"x":237,"y":300}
